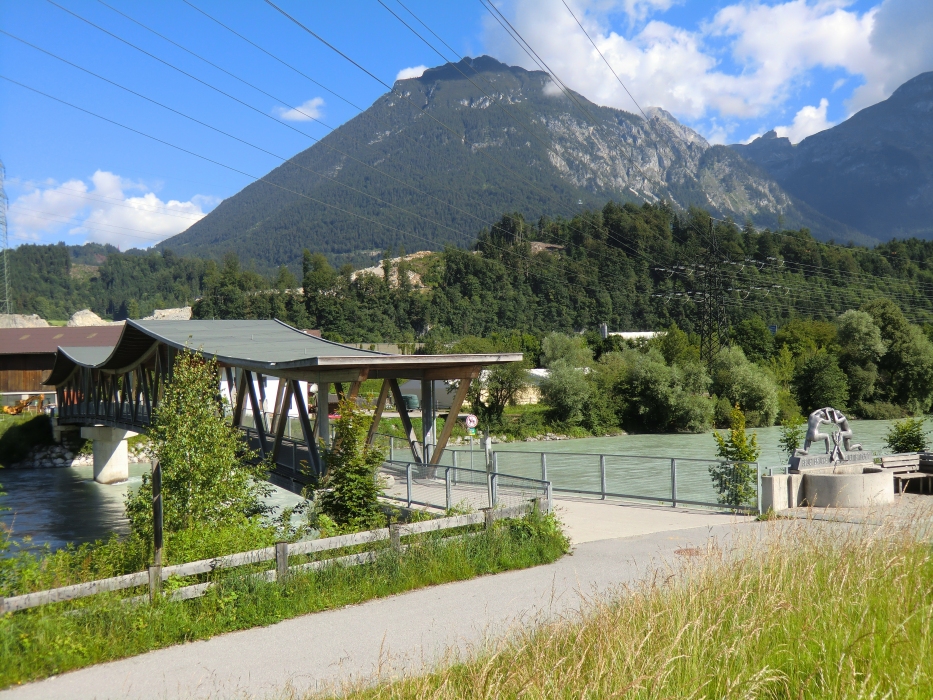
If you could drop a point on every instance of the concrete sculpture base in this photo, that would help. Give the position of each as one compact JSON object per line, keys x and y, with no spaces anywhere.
{"x":844,"y":486}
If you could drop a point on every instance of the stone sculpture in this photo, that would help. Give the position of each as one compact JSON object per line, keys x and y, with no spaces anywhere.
{"x":838,"y":443}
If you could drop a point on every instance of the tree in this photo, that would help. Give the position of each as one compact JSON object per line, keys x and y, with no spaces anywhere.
{"x":907,"y":435}
{"x":208,"y":477}
{"x":566,"y":391}
{"x":350,"y":492}
{"x":569,"y":349}
{"x":754,"y":337}
{"x":676,"y":347}
{"x":745,"y":384}
{"x":736,"y":478}
{"x":658,"y":397}
{"x":820,"y":383}
{"x":495,"y":389}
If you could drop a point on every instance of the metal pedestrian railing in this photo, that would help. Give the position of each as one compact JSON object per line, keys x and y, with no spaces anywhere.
{"x":452,"y":488}
{"x":665,"y":480}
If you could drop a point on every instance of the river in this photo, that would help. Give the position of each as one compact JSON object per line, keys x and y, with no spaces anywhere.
{"x":58,"y":506}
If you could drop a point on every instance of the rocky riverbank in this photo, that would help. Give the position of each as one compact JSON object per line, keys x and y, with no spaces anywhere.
{"x":55,"y":456}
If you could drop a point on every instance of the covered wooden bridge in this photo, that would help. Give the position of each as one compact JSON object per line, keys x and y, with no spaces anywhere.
{"x":112,"y":392}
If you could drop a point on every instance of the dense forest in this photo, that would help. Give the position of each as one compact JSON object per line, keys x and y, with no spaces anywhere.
{"x":632,"y":267}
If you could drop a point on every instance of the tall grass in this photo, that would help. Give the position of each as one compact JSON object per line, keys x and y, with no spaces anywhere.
{"x":813,"y":614}
{"x":53,"y":639}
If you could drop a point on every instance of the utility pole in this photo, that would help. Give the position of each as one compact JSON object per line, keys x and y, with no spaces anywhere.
{"x":7,"y":303}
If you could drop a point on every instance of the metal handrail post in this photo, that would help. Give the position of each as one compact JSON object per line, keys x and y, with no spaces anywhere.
{"x":391,"y":449}
{"x":602,"y":476}
{"x":673,"y":483}
{"x":758,"y":489}
{"x":454,"y":459}
{"x":543,"y":466}
{"x":408,"y":481}
{"x":447,"y":486}
{"x":495,"y":488}
{"x":550,"y":496}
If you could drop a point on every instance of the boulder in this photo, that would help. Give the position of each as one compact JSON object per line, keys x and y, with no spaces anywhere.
{"x":22,"y":321}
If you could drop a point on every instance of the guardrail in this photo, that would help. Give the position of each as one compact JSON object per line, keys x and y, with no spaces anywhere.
{"x":280,"y":553}
{"x":423,"y":484}
{"x":673,"y":480}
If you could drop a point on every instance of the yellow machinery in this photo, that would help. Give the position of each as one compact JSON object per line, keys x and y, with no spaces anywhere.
{"x":31,"y":404}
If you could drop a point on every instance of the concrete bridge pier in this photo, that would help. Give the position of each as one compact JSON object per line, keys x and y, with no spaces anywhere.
{"x":111,"y":457}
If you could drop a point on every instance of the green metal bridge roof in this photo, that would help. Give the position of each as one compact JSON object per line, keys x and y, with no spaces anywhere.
{"x":267,"y":346}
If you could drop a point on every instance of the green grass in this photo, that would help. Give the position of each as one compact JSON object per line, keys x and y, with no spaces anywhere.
{"x":54,"y":639}
{"x":19,"y":434}
{"x":845,"y":616}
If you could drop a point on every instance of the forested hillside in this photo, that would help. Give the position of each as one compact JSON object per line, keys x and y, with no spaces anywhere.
{"x":632,"y":267}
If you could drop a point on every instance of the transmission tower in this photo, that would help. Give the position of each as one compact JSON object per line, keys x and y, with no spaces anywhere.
{"x":714,"y":318}
{"x":6,"y":304}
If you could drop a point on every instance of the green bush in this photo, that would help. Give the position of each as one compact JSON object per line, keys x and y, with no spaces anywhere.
{"x":736,"y":480}
{"x":566,"y":392}
{"x":746,"y":384}
{"x":792,"y":435}
{"x":208,"y":477}
{"x":20,"y":434}
{"x":907,"y":435}
{"x":350,"y":493}
{"x":820,"y":383}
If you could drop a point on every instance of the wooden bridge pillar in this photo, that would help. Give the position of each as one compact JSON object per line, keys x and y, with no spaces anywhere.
{"x":111,"y":458}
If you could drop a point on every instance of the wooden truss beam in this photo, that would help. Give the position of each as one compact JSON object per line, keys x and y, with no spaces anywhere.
{"x":406,"y":421}
{"x":452,"y":418}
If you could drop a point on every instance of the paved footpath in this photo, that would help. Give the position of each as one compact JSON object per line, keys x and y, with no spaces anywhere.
{"x":408,"y":632}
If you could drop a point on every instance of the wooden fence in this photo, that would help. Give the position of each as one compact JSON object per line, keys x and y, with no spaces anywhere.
{"x":279,"y":553}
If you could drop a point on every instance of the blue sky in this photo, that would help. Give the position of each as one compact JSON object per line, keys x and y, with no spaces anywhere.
{"x":730,"y":70}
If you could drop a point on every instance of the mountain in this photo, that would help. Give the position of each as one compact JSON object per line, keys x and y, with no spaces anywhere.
{"x":476,"y":139}
{"x":873,"y":172}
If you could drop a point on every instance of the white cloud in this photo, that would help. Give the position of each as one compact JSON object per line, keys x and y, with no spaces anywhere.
{"x":413,"y":72}
{"x":306,"y":112}
{"x":900,"y":48}
{"x":103,"y":212}
{"x":776,"y":47}
{"x":807,"y":122}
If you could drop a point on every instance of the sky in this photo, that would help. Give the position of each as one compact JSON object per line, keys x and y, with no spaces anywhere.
{"x":195,"y":111}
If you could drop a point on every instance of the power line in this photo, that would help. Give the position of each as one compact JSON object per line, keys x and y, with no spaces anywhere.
{"x":254,"y":177}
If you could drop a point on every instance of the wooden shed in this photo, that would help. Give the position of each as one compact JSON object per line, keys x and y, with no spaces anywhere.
{"x":27,"y":354}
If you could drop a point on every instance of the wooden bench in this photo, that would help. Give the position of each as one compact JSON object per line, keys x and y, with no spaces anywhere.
{"x":905,"y":467}
{"x":925,"y":481}
{"x":902,"y":463}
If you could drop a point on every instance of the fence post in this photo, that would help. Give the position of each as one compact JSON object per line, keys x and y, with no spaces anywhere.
{"x":281,"y":561}
{"x":550,"y":497}
{"x":543,"y":466}
{"x":155,"y":581}
{"x":602,"y":476}
{"x":758,"y":487}
{"x":395,"y":536}
{"x":156,"y":513}
{"x":447,"y":487}
{"x":408,"y":481}
{"x":487,"y":517}
{"x":673,"y":483}
{"x":391,"y":449}
{"x":495,"y":488}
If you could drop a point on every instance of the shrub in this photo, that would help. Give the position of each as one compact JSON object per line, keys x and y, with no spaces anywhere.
{"x":18,"y":435}
{"x":907,"y":435}
{"x":350,"y":492}
{"x":792,"y":434}
{"x":566,"y":392}
{"x":660,"y":398}
{"x":207,"y":476}
{"x":736,"y":479}
{"x":746,"y":384}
